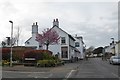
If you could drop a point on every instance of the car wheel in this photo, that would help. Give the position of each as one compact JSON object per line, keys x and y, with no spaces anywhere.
{"x":112,"y":63}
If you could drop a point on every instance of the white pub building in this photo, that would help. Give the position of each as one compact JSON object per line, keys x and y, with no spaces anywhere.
{"x":68,"y":48}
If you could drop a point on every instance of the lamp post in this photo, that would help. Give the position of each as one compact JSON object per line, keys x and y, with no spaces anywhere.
{"x":11,"y":42}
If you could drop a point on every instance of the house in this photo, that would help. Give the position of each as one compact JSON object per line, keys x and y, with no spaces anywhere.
{"x":65,"y":49}
{"x":66,"y":43}
{"x":110,"y":48}
{"x":113,"y":48}
{"x":117,"y":48}
{"x":79,"y":45}
{"x":31,"y":42}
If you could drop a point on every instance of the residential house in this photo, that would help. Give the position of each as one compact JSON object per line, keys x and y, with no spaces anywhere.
{"x":31,"y":42}
{"x":113,"y":48}
{"x":79,"y":45}
{"x":65,"y":48}
{"x":110,"y":48}
{"x":66,"y":43}
{"x":117,"y":48}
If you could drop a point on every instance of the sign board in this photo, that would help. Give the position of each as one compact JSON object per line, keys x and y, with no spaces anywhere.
{"x":30,"y":59}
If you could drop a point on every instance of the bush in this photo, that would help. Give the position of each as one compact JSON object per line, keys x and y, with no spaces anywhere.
{"x":38,"y":54}
{"x":42,"y":63}
{"x":17,"y":53}
{"x":49,"y":63}
{"x":5,"y":62}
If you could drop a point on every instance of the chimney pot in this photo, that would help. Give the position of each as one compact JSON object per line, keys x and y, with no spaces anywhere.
{"x":33,"y":23}
{"x":54,"y":20}
{"x":36,"y":23}
{"x":57,"y":20}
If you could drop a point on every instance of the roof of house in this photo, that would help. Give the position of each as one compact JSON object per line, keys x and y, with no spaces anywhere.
{"x":65,"y":32}
{"x":28,"y":39}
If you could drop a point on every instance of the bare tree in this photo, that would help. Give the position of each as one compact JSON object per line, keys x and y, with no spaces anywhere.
{"x":89,"y":50}
{"x":3,"y":43}
{"x":16,"y":39}
{"x":18,"y":35}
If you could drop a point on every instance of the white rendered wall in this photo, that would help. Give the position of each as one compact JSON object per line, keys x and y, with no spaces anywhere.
{"x":61,"y":34}
{"x":80,"y":48}
{"x":32,"y":42}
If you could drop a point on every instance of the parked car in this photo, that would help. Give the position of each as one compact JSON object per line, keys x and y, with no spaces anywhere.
{"x":114,"y":60}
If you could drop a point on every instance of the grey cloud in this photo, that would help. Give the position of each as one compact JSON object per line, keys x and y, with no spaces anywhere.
{"x":8,"y":8}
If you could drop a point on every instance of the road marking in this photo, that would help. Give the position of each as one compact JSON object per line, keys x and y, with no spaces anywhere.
{"x":115,"y":75}
{"x":49,"y":76}
{"x":69,"y":74}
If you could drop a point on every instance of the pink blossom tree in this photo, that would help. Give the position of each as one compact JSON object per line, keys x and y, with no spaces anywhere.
{"x":48,"y":37}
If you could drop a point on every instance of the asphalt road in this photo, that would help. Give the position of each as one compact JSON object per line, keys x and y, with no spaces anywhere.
{"x":93,"y":68}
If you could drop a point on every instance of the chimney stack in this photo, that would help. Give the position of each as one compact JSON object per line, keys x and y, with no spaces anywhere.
{"x":55,"y":22}
{"x":34,"y":29}
{"x":36,"y":23}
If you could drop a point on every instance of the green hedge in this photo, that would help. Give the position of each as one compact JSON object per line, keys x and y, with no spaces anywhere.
{"x":49,"y":63}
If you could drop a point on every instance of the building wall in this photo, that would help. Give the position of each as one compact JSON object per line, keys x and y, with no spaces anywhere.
{"x":56,"y":48}
{"x":68,"y":40}
{"x":108,"y":49}
{"x":71,"y":48}
{"x":117,"y":48}
{"x":32,"y":42}
{"x":80,"y":48}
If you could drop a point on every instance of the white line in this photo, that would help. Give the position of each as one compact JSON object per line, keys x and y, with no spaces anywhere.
{"x":70,"y":73}
{"x":115,"y":75}
{"x":49,"y":76}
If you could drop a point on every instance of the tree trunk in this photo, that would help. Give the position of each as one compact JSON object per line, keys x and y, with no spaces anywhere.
{"x":47,"y":46}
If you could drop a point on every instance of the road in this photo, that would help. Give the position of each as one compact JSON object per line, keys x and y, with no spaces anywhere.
{"x":93,"y":68}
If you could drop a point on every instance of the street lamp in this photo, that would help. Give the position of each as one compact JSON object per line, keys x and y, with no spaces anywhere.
{"x":11,"y":42}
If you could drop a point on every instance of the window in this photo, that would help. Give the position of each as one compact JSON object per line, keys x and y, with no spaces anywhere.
{"x":63,"y":40}
{"x":77,"y":44}
{"x":28,"y":42}
{"x":64,"y":52}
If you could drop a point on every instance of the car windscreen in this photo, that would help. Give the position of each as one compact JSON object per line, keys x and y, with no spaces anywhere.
{"x":116,"y":57}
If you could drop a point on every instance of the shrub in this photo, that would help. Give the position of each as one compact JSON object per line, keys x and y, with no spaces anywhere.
{"x":42,"y":63}
{"x":49,"y":63}
{"x":5,"y":62}
{"x":38,"y":54}
{"x":6,"y":53}
{"x":17,"y":53}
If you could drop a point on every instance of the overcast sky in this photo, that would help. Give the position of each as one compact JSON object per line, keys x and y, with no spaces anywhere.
{"x":95,"y":21}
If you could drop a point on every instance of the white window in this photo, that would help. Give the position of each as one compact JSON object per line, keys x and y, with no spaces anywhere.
{"x":63,"y":41}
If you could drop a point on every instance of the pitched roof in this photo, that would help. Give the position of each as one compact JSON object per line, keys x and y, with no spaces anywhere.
{"x":28,"y":39}
{"x":65,"y":32}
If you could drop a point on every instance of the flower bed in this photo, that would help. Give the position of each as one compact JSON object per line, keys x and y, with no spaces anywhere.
{"x":5,"y":63}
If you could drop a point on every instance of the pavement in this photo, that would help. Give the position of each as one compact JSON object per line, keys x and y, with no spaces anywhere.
{"x":26,"y":69}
